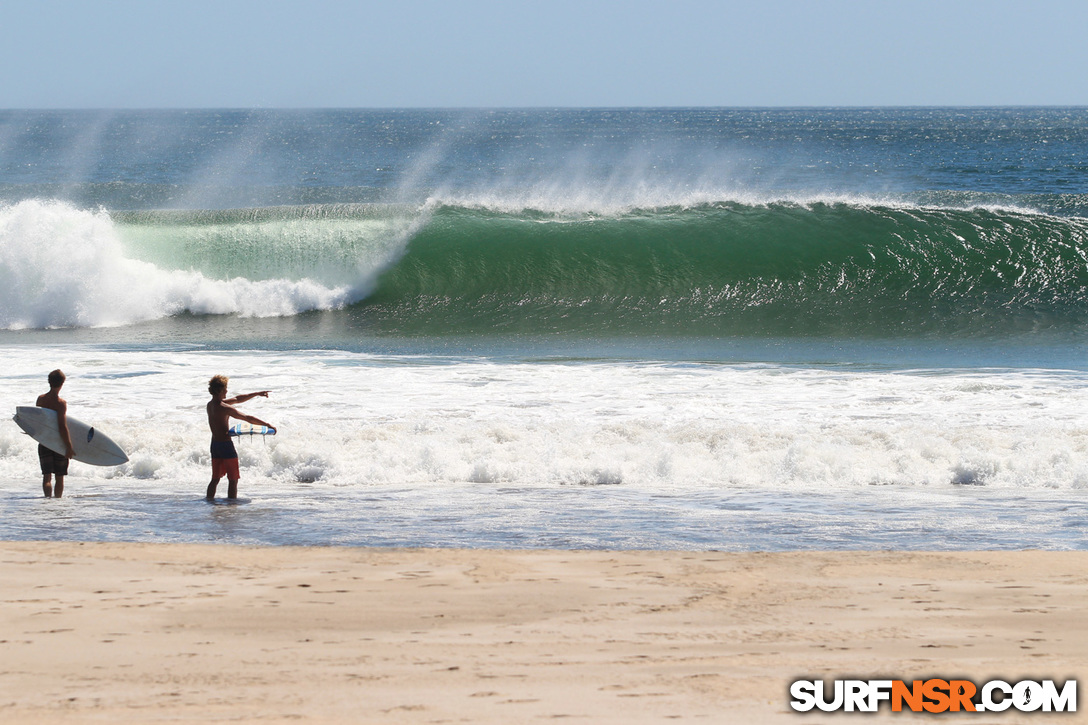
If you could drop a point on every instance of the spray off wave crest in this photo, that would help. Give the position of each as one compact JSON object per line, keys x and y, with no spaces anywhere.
{"x":65,"y":267}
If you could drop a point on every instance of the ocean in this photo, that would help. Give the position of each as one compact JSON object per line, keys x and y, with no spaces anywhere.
{"x":734,"y":329}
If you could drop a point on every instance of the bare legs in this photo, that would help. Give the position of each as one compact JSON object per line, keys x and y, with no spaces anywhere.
{"x":47,"y":486}
{"x":232,"y":488}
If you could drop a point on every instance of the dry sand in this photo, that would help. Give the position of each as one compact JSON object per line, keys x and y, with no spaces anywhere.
{"x":149,"y":632}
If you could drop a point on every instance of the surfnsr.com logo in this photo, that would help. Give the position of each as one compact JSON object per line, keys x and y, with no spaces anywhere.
{"x":934,"y":695}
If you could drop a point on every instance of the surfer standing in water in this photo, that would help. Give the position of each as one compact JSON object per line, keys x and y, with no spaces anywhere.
{"x":55,"y":464}
{"x":220,"y":410}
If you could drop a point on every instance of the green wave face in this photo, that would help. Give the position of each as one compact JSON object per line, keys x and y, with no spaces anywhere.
{"x":779,"y":269}
{"x":713,"y":270}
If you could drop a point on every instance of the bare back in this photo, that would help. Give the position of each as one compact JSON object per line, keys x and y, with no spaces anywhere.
{"x":219,"y":414}
{"x":53,"y":401}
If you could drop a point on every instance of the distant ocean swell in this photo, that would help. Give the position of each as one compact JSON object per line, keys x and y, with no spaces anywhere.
{"x":815,"y":268}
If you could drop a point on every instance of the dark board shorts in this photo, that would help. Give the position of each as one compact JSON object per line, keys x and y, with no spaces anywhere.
{"x":52,"y":462}
{"x":224,"y":449}
{"x":224,"y":460}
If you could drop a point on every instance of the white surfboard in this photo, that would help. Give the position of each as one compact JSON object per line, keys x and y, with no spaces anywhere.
{"x":91,"y":446}
{"x":248,"y":429}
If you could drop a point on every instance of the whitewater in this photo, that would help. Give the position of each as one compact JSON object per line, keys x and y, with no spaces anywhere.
{"x":702,"y":328}
{"x":445,"y":445}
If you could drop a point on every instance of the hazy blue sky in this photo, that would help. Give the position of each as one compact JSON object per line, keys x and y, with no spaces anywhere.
{"x":491,"y":53}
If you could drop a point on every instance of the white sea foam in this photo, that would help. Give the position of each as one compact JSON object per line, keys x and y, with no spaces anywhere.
{"x":354,"y":420}
{"x":65,"y":267}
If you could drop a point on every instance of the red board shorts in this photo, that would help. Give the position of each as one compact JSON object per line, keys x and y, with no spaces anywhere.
{"x":224,"y":460}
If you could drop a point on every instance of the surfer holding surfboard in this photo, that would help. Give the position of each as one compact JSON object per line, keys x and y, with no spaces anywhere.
{"x":53,"y":463}
{"x":220,"y":410}
{"x":61,"y":437}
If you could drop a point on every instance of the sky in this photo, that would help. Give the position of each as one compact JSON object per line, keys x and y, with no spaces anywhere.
{"x":537,"y":53}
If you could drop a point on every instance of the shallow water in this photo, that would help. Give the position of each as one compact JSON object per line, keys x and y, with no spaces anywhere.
{"x":490,"y":516}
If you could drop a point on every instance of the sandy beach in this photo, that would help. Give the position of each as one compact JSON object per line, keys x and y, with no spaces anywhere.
{"x":148,"y":632}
